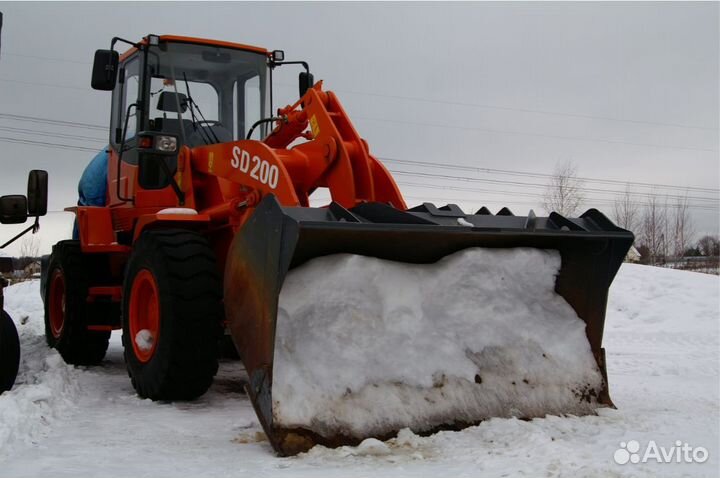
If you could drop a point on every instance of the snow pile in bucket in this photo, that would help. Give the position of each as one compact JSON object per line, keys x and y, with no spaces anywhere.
{"x":366,"y":346}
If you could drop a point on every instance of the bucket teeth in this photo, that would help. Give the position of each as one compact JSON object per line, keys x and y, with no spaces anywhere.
{"x":505,"y":212}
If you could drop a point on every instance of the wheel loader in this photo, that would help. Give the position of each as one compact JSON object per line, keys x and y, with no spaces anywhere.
{"x":208,"y":215}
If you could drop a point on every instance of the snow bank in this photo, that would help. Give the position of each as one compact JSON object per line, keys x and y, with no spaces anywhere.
{"x":46,"y":388}
{"x":366,"y":346}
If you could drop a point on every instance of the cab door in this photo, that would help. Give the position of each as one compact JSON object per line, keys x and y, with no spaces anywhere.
{"x":125,"y":122}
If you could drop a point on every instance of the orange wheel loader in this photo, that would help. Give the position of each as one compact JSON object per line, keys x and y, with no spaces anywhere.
{"x":208,"y":213}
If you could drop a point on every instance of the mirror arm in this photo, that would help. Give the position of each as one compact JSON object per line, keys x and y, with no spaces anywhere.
{"x":131,"y":43}
{"x":32,"y":228}
{"x":273,"y":64}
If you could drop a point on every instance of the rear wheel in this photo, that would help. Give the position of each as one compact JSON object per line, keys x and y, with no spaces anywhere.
{"x":67,"y":313}
{"x":9,"y":352}
{"x":172,"y":315}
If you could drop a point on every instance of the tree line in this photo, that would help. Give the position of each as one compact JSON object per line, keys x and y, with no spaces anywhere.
{"x":663,"y":227}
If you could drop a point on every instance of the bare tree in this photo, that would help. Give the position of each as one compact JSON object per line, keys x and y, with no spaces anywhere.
{"x":653,"y":228}
{"x":667,"y":236}
{"x":709,"y":246}
{"x":564,"y":192}
{"x":30,"y":247}
{"x":683,"y":230}
{"x":29,"y":250}
{"x":627,"y":211}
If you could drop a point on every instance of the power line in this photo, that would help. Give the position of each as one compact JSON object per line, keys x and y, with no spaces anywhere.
{"x":46,"y":144}
{"x":481,"y":180}
{"x":543,"y":175}
{"x":34,"y":83}
{"x":513,"y":109}
{"x":537,"y":135}
{"x":592,"y":201}
{"x":407,"y":162}
{"x":544,"y":186}
{"x":457,"y":127}
{"x":409,"y":98}
{"x":35,"y":119}
{"x":48,"y":133}
{"x":466,"y":201}
{"x":510,"y":196}
{"x":539,"y":196}
{"x":47,"y":58}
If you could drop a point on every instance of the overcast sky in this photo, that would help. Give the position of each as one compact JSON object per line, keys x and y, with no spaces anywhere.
{"x":625,"y":91}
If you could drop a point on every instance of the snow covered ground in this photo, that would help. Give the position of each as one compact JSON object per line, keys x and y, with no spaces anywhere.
{"x":663,"y":351}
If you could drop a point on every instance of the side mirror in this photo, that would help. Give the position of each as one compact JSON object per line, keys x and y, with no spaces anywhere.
{"x":171,"y":101}
{"x":37,"y":193}
{"x":105,"y":68}
{"x":305,"y":82}
{"x":13,"y":209}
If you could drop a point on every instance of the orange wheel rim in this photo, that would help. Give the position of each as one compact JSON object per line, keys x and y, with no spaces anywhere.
{"x":57,"y":303}
{"x":144,"y":315}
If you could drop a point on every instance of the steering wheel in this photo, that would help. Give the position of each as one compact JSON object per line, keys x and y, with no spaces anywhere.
{"x":212,"y":129}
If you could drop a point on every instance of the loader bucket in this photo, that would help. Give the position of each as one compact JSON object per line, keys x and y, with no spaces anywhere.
{"x":277,"y":239}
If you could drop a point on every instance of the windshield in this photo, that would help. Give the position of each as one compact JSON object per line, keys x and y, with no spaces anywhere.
{"x":206,"y":94}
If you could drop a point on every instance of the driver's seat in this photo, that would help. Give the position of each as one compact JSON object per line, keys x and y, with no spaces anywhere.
{"x":169,"y":101}
{"x":210,"y":131}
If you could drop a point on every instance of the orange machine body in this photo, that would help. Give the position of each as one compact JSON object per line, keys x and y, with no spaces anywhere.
{"x":222,"y":183}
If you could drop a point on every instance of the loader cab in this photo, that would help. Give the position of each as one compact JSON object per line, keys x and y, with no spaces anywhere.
{"x":200,"y":92}
{"x":177,"y":91}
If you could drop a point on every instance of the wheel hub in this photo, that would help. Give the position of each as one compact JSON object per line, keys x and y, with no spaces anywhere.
{"x":144,"y":315}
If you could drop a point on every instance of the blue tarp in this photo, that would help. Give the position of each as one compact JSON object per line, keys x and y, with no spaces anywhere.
{"x":92,"y":188}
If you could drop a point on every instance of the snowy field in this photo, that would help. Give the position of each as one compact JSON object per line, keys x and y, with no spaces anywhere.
{"x":663,"y":351}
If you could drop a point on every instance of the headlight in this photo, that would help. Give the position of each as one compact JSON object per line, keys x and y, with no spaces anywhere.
{"x":166,"y":144}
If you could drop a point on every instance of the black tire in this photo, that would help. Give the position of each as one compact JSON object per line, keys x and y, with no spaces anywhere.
{"x":228,"y":351}
{"x":183,"y":269}
{"x":77,"y":345}
{"x":9,"y":352}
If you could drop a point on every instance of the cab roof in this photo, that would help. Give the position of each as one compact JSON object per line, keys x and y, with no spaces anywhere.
{"x":199,"y":41}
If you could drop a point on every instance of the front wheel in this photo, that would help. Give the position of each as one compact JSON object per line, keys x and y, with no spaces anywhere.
{"x":172,"y":315}
{"x":67,"y":313}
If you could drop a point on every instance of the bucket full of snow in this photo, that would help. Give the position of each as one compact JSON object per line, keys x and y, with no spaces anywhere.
{"x":358,"y":323}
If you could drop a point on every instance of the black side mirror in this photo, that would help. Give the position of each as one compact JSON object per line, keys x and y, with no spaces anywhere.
{"x":170,"y":101}
{"x":37,"y":193}
{"x":105,"y":68}
{"x":305,"y":82}
{"x":13,"y":209}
